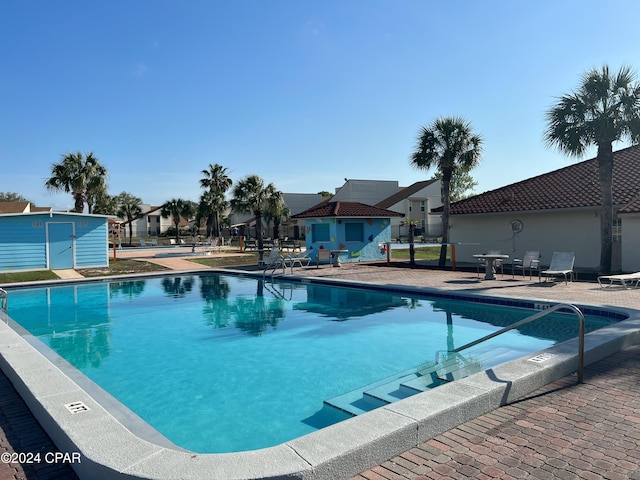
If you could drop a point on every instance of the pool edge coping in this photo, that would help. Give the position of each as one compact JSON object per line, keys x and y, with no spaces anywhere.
{"x":337,"y":451}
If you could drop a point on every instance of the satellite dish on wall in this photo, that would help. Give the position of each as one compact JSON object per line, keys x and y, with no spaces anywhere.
{"x":516,"y":226}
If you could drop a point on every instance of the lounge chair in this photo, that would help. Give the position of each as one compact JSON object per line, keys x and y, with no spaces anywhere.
{"x":626,"y":280}
{"x":143,"y":243}
{"x":273,"y":260}
{"x":324,"y":254}
{"x":530,"y":261}
{"x":561,"y":264}
{"x":154,"y":242}
{"x":302,"y":259}
{"x":497,"y":263}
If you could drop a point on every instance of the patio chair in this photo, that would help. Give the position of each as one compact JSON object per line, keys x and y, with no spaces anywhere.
{"x":324,"y":254}
{"x":143,"y":243}
{"x":561,"y":264}
{"x":530,"y":261}
{"x":497,"y":263}
{"x":626,"y":280}
{"x":302,"y":259}
{"x":273,"y":261}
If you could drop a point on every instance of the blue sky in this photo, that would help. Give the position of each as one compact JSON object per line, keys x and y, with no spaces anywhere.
{"x":302,"y":93}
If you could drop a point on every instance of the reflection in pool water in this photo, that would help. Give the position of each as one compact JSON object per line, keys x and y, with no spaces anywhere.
{"x":225,"y":363}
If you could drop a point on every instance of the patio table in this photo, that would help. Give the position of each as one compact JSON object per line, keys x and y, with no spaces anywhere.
{"x":490,"y":261}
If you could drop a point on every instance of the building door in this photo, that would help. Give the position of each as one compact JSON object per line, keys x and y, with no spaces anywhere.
{"x":60,"y":240}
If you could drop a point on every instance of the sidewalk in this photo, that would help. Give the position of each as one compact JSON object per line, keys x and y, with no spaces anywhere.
{"x":563,"y":430}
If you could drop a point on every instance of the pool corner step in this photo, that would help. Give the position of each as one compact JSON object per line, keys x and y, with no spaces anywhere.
{"x":416,"y":380}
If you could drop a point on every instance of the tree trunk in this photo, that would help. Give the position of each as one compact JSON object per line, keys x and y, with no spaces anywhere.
{"x":259,"y":230}
{"x":79,"y":202}
{"x":216,"y":224}
{"x":605,"y":174}
{"x":446,"y":205}
{"x":412,"y":250}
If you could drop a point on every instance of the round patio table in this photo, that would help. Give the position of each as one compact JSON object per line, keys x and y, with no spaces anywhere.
{"x":490,"y":261}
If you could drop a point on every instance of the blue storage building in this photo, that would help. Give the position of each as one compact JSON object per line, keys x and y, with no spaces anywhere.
{"x":356,"y":232}
{"x":53,"y":240}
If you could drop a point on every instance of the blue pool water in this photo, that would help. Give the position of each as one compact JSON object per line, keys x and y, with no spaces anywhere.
{"x":227,"y":363}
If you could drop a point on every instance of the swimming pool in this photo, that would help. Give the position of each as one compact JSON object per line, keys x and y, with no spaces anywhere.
{"x":226,"y":363}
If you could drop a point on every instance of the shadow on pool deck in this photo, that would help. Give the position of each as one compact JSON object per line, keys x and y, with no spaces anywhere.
{"x":563,"y":430}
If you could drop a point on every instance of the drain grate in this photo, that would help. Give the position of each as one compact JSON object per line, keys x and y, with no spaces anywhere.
{"x":76,"y":407}
{"x":543,"y":357}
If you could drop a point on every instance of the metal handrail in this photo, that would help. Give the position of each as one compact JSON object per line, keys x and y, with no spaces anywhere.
{"x":4,"y":297}
{"x":536,"y":316}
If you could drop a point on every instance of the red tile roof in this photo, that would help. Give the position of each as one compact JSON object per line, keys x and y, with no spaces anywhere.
{"x":573,"y":186}
{"x":346,"y":209}
{"x":14,"y":207}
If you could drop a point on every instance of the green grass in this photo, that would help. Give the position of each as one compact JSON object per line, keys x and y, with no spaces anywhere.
{"x":27,"y":276}
{"x":121,"y":267}
{"x":230,"y":261}
{"x":422,"y":253}
{"x":126,"y":267}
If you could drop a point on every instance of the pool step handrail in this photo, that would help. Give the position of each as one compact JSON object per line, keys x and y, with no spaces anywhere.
{"x":4,"y":300}
{"x":536,"y":316}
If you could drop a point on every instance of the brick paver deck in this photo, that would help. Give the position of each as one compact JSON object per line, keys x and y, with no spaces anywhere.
{"x":564,"y":430}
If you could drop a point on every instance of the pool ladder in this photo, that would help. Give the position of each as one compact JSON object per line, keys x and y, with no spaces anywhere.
{"x":536,"y":316}
{"x":4,"y":300}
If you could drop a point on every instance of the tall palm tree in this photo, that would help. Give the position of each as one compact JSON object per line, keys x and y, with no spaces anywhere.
{"x":449,"y":145}
{"x":129,"y":207}
{"x":276,"y":211}
{"x":250,"y":195}
{"x":79,"y":175}
{"x":412,"y":224}
{"x":176,"y":208}
{"x":605,"y":109}
{"x":216,"y":182}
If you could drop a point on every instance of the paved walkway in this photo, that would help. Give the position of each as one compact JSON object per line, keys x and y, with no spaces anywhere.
{"x":563,"y":430}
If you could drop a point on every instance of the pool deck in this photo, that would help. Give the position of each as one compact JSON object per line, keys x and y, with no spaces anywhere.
{"x":560,"y":430}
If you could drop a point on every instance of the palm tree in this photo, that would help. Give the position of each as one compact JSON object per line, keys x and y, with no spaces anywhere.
{"x":450,"y":145}
{"x":209,"y":207}
{"x":277,"y":211}
{"x":79,"y":175}
{"x":176,"y":208}
{"x":12,"y":197}
{"x":216,"y":182}
{"x":411,"y":223}
{"x":104,"y":204}
{"x":251,"y":195}
{"x":605,"y":109}
{"x":129,"y":208}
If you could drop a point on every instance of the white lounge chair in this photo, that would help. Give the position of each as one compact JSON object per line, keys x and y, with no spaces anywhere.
{"x":273,"y":260}
{"x":302,"y":259}
{"x":561,"y":264}
{"x":626,"y":280}
{"x":530,"y":261}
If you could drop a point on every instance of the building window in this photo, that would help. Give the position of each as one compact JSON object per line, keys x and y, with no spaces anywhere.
{"x":320,"y":232}
{"x":354,"y":232}
{"x":422,"y":205}
{"x":617,"y":230}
